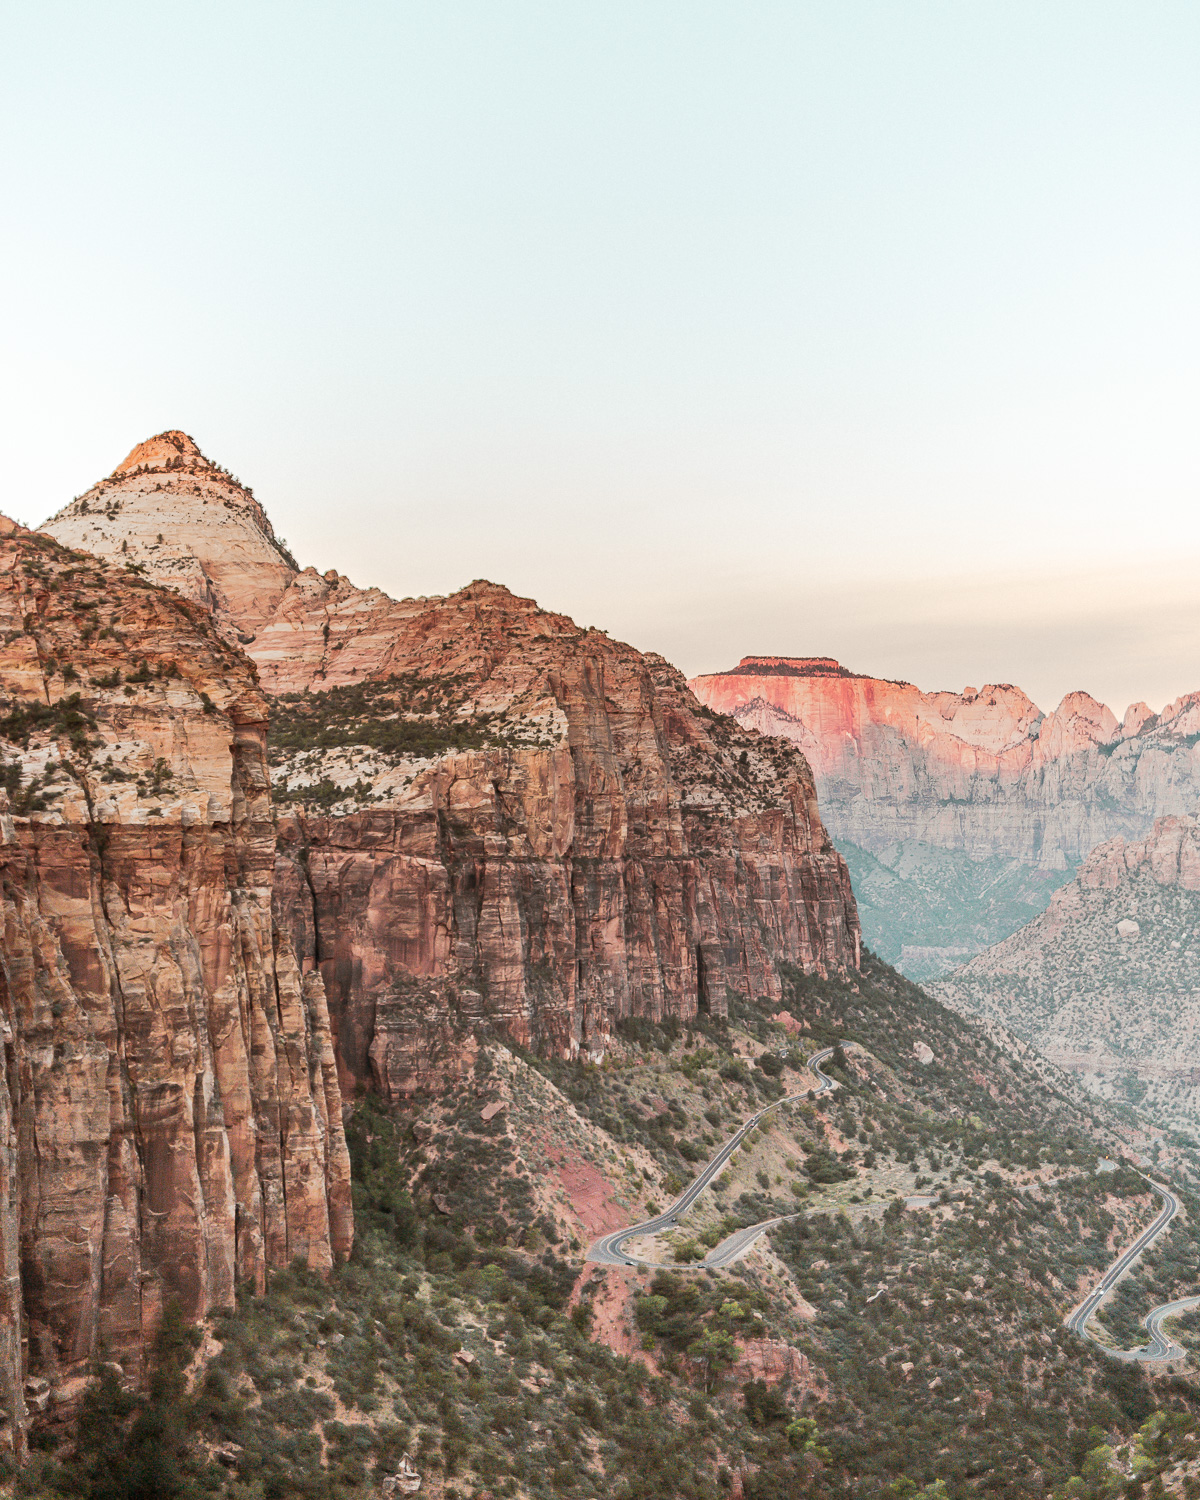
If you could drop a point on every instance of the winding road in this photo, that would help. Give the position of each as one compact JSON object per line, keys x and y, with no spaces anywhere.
{"x":608,"y":1249}
{"x":1160,"y":1346}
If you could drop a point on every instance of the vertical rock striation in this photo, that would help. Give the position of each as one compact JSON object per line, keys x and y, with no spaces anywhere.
{"x":608,"y":851}
{"x":175,"y":1119}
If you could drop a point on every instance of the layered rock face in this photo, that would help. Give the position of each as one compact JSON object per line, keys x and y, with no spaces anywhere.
{"x":170,"y":1092}
{"x":985,"y":774}
{"x":1106,"y":981}
{"x":493,"y":817}
{"x":605,"y":851}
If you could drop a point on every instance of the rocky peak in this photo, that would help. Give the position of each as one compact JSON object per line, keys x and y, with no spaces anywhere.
{"x":1137,"y":716}
{"x":171,"y":513}
{"x":163,"y":451}
{"x":1170,"y":853}
{"x":1078,"y":723}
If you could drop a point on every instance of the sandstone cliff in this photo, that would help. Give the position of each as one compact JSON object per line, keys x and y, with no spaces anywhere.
{"x":170,"y":1095}
{"x":1106,"y":982}
{"x":494,"y":816}
{"x":602,"y":849}
{"x":904,"y":775}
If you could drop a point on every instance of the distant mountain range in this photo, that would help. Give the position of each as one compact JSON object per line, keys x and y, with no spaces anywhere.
{"x":959,"y":814}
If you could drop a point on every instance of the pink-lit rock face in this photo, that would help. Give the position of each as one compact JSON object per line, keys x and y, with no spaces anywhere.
{"x":608,"y":849}
{"x":986,"y":772}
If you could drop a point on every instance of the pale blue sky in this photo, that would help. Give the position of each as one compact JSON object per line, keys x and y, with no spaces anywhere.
{"x":868,"y":329}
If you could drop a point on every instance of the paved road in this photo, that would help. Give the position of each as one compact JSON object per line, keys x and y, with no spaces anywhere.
{"x":1160,"y":1347}
{"x":609,"y":1251}
{"x":739,"y":1242}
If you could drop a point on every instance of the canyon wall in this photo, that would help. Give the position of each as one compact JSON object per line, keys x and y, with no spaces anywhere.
{"x":917,"y":788}
{"x":174,"y":1122}
{"x":487,"y":816}
{"x":606,"y":851}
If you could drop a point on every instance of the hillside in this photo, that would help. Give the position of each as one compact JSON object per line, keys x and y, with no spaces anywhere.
{"x":574,"y":928}
{"x":862,"y":1349}
{"x":1107,"y":982}
{"x":961,"y":813}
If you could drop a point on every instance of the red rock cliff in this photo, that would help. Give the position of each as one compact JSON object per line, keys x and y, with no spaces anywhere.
{"x":585,"y":843}
{"x":608,"y":851}
{"x":170,"y":1095}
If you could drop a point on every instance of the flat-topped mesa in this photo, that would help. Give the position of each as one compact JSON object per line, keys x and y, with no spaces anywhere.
{"x":187,"y":523}
{"x":792,"y":666}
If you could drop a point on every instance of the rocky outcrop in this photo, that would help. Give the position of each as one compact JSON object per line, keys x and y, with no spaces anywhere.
{"x":903,"y":774}
{"x":489,"y":816}
{"x":172,"y":1104}
{"x":774,"y":1363}
{"x":1106,"y":982}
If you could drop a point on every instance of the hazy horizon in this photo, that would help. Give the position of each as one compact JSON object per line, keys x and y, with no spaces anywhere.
{"x":865,"y":331}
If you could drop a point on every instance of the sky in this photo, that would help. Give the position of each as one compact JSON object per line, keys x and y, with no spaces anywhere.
{"x":868,"y":328}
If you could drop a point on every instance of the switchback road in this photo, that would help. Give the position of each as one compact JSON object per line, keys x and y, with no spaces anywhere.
{"x":1160,"y":1347}
{"x":609,"y":1249}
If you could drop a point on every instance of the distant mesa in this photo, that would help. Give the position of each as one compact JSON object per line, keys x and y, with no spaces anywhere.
{"x":959,"y":813}
{"x":788,"y":666}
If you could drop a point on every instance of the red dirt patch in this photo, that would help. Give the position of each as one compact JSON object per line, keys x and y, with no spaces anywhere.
{"x":613,"y":1289}
{"x":590,"y":1195}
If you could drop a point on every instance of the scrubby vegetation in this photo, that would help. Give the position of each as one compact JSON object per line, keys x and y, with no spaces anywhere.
{"x":403,"y":717}
{"x":467,"y":1333}
{"x":319,"y":740}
